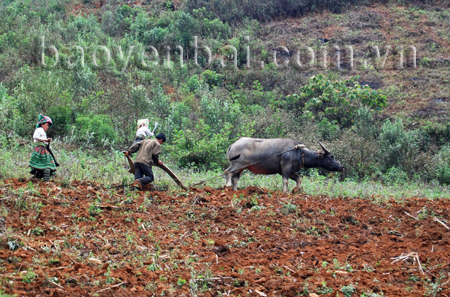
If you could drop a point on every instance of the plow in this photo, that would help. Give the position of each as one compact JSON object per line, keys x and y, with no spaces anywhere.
{"x":164,"y":168}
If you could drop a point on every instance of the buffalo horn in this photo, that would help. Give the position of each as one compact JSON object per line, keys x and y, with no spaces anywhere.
{"x":324,"y":148}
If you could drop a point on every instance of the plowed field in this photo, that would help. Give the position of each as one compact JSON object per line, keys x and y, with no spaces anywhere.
{"x":85,"y":239}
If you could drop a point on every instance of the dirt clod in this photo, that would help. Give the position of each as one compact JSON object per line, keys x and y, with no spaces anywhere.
{"x":207,"y":241}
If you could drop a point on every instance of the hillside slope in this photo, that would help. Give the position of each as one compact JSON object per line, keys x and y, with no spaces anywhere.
{"x":420,"y":91}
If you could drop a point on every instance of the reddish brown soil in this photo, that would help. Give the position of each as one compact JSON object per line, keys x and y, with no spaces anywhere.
{"x":83,"y":238}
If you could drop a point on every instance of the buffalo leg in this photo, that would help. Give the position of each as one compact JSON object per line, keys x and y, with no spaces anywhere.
{"x":228,"y":177}
{"x":235,"y":179}
{"x":298,"y":180}
{"x":285,"y":173}
{"x":231,"y":173}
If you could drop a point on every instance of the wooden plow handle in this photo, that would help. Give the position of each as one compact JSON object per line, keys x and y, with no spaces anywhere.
{"x":172,"y":175}
{"x":163,"y":167}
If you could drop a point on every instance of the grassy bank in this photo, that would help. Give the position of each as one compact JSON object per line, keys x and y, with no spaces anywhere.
{"x":109,"y":167}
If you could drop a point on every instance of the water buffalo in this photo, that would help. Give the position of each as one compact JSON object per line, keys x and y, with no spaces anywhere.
{"x":271,"y":156}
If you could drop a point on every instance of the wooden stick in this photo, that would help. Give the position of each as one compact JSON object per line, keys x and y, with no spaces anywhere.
{"x":411,"y":216}
{"x":289,"y":269}
{"x":436,"y":219}
{"x":111,"y":287}
{"x":172,"y":175}
{"x":12,"y":276}
{"x":184,"y":234}
{"x":59,"y":286}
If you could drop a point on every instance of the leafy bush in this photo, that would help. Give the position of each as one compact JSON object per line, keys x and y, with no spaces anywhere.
{"x":63,"y":119}
{"x":218,"y":113}
{"x":359,"y":155}
{"x":201,"y":148}
{"x":160,"y":102}
{"x":328,"y":129}
{"x":443,"y":167}
{"x":97,"y":129}
{"x":194,"y":83}
{"x":178,"y":119}
{"x":210,"y":26}
{"x":337,"y":101}
{"x":212,"y":78}
{"x":397,"y":145}
{"x":395,"y":176}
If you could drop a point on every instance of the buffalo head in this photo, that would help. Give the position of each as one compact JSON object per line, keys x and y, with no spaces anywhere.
{"x":327,"y":160}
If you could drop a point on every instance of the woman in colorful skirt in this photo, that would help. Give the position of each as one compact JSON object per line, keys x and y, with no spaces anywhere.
{"x":42,"y":163}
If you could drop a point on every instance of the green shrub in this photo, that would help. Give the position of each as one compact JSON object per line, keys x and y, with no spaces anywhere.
{"x":186,"y":27}
{"x":96,"y":129}
{"x":443,"y":165}
{"x":212,"y":78}
{"x":63,"y":119}
{"x":364,"y":123}
{"x":438,"y":131}
{"x":201,"y":148}
{"x":194,"y":83}
{"x":359,"y":155}
{"x":210,"y":26}
{"x":328,"y":129}
{"x":397,"y":145}
{"x":178,"y":119}
{"x":395,"y":176}
{"x":159,"y":102}
{"x":218,"y":113}
{"x":348,"y":291}
{"x":337,"y":101}
{"x":155,"y":36}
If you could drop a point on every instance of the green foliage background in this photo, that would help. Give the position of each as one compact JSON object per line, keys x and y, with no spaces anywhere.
{"x":202,"y":109}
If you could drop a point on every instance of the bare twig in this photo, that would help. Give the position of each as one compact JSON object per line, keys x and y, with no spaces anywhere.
{"x":11,"y":276}
{"x":59,"y":286}
{"x":111,"y":287}
{"x":436,"y":219}
{"x":411,"y":216}
{"x":293,"y":271}
{"x":184,"y":234}
{"x":6,"y":198}
{"x":59,"y":268}
{"x":414,"y":256}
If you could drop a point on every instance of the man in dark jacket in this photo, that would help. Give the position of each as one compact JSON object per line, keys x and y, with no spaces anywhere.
{"x":147,"y":157}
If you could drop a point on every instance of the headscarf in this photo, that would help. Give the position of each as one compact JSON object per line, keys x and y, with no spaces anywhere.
{"x":44,"y":119}
{"x":142,"y":122}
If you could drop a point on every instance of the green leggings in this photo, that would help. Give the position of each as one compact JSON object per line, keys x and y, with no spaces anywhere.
{"x":46,"y":174}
